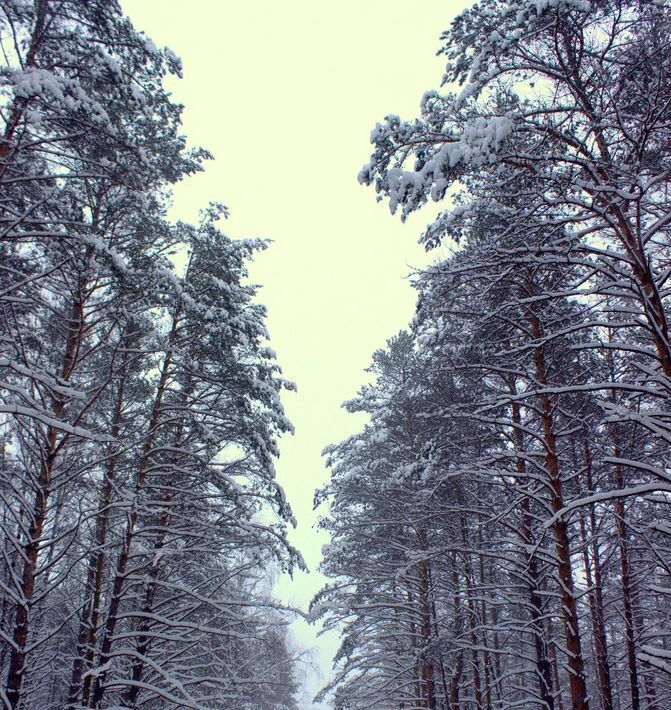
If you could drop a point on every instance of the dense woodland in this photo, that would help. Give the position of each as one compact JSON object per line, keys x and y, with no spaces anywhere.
{"x":501,"y":529}
{"x":141,"y":524}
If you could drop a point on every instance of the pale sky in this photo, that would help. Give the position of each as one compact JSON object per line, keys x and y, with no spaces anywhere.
{"x":285,"y":94}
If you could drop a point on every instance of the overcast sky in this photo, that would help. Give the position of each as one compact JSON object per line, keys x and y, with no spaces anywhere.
{"x":285,"y":94}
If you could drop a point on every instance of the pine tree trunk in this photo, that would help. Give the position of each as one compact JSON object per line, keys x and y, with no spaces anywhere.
{"x":626,"y":583}
{"x":428,"y":671}
{"x":443,"y":676}
{"x":595,"y":585}
{"x":414,"y":642}
{"x":457,"y":671}
{"x":543,"y":669}
{"x":144,"y":639}
{"x":88,"y":624}
{"x":486,"y":658}
{"x":472,"y":613}
{"x":497,"y":657}
{"x":30,"y":554}
{"x":18,"y":657}
{"x":623,"y":546}
{"x":475,"y":656}
{"x":575,"y":661}
{"x":116,"y":596}
{"x":555,"y":667}
{"x":455,"y":684}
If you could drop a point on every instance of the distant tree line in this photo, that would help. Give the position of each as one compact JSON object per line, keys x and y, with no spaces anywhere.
{"x":501,"y":529}
{"x":140,"y":520}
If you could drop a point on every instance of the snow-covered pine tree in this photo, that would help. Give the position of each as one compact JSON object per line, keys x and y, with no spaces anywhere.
{"x":564,"y":105}
{"x":85,"y":115}
{"x":203,"y":483}
{"x":140,"y":408}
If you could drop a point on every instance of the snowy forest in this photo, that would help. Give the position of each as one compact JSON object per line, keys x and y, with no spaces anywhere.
{"x":500,"y":528}
{"x":140,"y":515}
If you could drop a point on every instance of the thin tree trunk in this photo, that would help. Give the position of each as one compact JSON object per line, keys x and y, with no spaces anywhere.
{"x":555,"y":668}
{"x":543,"y":670}
{"x":575,"y":660}
{"x":88,"y":623}
{"x":98,"y":691}
{"x":455,"y":683}
{"x":486,"y":659}
{"x":30,"y":554}
{"x":470,"y":603}
{"x":428,"y":672}
{"x":623,"y":546}
{"x":595,"y":586}
{"x":497,"y":657}
{"x":475,"y":656}
{"x":17,"y":660}
{"x":626,"y":583}
{"x":414,"y":637}
{"x":443,"y":676}
{"x":144,"y":638}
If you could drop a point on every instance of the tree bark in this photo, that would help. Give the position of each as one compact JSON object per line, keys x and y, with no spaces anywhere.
{"x":626,"y":583}
{"x":595,"y":585}
{"x":98,"y":690}
{"x":88,"y":624}
{"x":543,"y":669}
{"x":51,"y":448}
{"x":428,"y":671}
{"x":575,"y":661}
{"x":455,"y":682}
{"x":472,"y":613}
